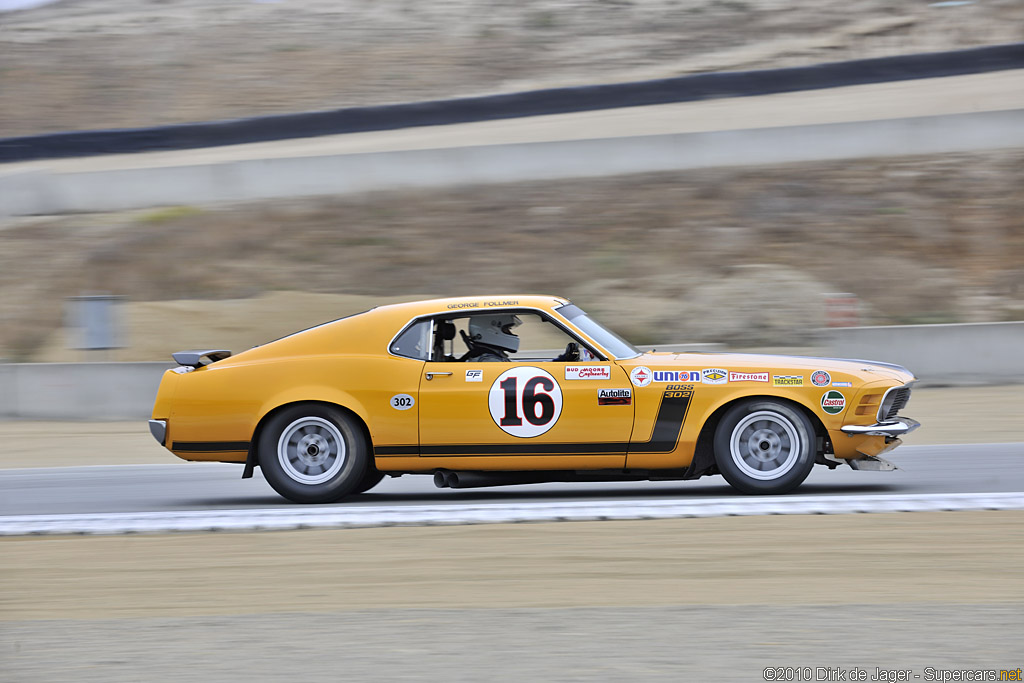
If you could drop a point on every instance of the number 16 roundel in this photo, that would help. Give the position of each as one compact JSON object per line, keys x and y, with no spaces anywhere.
{"x":525,"y":402}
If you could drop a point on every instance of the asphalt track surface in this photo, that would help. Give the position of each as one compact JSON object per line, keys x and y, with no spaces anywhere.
{"x":981,"y":468}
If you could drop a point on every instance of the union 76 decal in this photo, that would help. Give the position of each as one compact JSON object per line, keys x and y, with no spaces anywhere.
{"x":525,"y":402}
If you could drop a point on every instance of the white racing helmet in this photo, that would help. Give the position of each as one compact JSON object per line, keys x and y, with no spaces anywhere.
{"x":495,"y":330}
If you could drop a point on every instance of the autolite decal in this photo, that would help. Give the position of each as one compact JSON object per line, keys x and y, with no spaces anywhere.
{"x":833,"y":402}
{"x":614,"y":397}
{"x":748,"y":376}
{"x":688,"y":376}
{"x":588,"y":372}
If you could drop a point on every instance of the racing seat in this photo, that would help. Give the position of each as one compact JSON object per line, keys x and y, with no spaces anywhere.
{"x":443,"y":332}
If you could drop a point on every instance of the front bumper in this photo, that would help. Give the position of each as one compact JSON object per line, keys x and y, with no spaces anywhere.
{"x":892,"y":428}
{"x":158,"y":428}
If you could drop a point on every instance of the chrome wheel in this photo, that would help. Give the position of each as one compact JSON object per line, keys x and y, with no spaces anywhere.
{"x":765,"y":445}
{"x":311,"y":450}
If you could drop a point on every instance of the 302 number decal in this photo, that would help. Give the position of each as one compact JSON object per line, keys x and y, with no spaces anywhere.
{"x":402,"y":401}
{"x":525,"y":402}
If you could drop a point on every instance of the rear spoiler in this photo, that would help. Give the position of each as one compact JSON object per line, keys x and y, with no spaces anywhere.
{"x":193,"y":359}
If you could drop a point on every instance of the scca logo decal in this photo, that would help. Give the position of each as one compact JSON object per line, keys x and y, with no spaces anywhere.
{"x":641,"y":376}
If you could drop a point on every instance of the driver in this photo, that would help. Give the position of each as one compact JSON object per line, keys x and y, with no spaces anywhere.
{"x":491,"y":338}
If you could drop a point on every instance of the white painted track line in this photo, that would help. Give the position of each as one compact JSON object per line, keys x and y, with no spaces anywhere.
{"x":426,"y":515}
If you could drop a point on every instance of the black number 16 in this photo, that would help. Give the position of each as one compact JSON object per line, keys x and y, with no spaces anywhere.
{"x":531,"y":400}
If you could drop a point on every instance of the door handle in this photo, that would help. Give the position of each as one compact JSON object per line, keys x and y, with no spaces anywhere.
{"x":431,"y":375}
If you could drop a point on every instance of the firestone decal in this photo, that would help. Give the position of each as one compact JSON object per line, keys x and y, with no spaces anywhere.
{"x":525,"y":401}
{"x":691,"y":376}
{"x":640,"y":376}
{"x":714,"y":376}
{"x":787,"y":380}
{"x":615,"y":397}
{"x":820,"y":378}
{"x":748,"y":376}
{"x":588,"y":372}
{"x":833,"y":402}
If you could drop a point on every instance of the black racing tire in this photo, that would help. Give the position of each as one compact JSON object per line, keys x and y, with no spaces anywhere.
{"x":371,"y":477}
{"x":764,"y":446}
{"x":313,"y":453}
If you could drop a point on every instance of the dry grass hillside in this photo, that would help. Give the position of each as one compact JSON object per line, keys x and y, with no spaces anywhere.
{"x":81,"y":64}
{"x":738,"y":255}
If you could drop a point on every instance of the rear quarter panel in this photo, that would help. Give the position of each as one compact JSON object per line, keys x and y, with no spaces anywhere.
{"x":226,"y":403}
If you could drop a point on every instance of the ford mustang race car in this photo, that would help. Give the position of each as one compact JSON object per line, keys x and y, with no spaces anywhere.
{"x":463,"y":390}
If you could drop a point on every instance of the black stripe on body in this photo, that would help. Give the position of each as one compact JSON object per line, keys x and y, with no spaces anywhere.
{"x":664,"y":437}
{"x":209,"y":446}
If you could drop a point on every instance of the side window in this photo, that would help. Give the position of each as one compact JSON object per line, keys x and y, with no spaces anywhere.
{"x":414,"y":342}
{"x":513,"y":335}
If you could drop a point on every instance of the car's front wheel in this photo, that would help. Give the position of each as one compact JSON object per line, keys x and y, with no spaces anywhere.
{"x":764,"y":446}
{"x":313,"y":453}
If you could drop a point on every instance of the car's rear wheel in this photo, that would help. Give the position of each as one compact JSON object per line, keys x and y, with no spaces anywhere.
{"x":764,"y":446}
{"x":313,"y":453}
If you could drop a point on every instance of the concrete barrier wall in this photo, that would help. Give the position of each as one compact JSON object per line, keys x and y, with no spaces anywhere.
{"x":79,"y":391}
{"x":981,"y":353}
{"x":956,"y":355}
{"x":45,"y":192}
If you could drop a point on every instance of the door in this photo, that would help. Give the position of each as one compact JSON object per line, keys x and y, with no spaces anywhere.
{"x":530,"y":413}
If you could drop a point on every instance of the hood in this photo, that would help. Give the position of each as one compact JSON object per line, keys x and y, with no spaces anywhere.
{"x":864,"y":370}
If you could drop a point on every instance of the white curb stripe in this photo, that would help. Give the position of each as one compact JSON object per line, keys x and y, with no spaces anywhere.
{"x":424,"y":515}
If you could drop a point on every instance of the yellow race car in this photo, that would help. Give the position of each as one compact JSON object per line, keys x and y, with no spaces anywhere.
{"x":463,"y":390}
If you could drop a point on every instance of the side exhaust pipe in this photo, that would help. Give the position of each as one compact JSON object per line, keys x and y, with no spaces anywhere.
{"x":444,"y":479}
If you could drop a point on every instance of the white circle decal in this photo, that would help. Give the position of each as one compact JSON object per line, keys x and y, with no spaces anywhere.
{"x":641,"y":376}
{"x":402,"y":401}
{"x":525,"y":402}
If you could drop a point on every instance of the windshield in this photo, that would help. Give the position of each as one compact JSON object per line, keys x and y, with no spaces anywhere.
{"x":616,"y":345}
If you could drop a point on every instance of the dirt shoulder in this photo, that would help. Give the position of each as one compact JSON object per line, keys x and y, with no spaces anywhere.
{"x":952,"y":415}
{"x":719,"y":561}
{"x":742,"y":256}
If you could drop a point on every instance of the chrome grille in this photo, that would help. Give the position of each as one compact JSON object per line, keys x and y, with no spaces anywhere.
{"x":893,"y":402}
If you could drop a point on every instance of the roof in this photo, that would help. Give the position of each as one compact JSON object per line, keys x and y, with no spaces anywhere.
{"x":472,"y":303}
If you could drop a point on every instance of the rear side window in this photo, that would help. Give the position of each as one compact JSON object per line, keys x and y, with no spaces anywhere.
{"x":414,"y":342}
